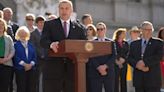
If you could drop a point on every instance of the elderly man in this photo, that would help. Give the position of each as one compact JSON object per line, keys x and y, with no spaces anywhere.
{"x":8,"y":13}
{"x":146,"y":60}
{"x":12,"y":26}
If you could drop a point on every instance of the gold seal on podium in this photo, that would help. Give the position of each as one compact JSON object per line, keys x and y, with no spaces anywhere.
{"x":89,"y":46}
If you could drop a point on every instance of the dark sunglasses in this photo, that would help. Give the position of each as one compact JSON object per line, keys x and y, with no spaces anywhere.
{"x":100,"y":29}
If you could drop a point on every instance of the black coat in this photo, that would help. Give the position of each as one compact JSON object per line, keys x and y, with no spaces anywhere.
{"x":95,"y":62}
{"x":53,"y":31}
{"x":151,"y":58}
{"x":35,"y":40}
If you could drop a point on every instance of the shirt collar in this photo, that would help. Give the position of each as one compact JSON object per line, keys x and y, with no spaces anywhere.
{"x":68,"y":21}
{"x":100,"y":39}
{"x":24,"y":43}
{"x":39,"y":30}
{"x":144,"y":40}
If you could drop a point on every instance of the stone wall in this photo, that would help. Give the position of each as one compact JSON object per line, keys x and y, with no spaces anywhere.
{"x":122,"y":13}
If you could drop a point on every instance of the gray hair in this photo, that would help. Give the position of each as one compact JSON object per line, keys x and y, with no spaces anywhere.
{"x":66,"y":1}
{"x":8,"y":9}
{"x":145,"y":23}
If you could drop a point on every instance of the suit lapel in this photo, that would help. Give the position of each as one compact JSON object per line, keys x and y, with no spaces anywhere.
{"x":139,"y":46}
{"x":60,"y":29}
{"x":71,"y":29}
{"x":24,"y":52}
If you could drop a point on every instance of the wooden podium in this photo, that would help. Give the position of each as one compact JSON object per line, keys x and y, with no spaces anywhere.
{"x":79,"y":51}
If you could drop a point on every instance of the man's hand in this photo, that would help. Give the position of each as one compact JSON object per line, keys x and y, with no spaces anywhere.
{"x":103,"y":69}
{"x":122,"y":60}
{"x":140,"y":64}
{"x":145,"y":69}
{"x":54,"y":46}
{"x":119,"y":63}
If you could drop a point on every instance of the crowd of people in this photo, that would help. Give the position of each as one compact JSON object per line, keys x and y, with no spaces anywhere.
{"x":24,"y":54}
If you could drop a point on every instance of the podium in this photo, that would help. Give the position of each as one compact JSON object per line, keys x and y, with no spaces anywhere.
{"x":79,"y":51}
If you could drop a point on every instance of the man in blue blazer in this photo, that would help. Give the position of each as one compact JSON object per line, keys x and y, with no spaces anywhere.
{"x":58,"y":72}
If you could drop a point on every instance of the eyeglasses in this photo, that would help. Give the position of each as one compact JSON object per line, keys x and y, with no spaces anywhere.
{"x":100,"y":29}
{"x":148,"y":29}
{"x":30,"y":19}
{"x":135,"y":31}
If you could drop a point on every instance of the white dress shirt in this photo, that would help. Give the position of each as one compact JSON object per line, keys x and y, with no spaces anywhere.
{"x":101,"y":39}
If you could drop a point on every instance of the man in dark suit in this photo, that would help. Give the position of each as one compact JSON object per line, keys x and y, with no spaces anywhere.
{"x":58,"y":72}
{"x":146,"y":60}
{"x":12,"y":26}
{"x":100,"y":70}
{"x":35,"y":40}
{"x":86,"y":19}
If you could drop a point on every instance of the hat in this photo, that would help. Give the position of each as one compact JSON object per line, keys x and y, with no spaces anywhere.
{"x":134,"y":29}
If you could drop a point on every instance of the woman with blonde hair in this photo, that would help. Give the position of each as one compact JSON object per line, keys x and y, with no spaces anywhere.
{"x":24,"y":62}
{"x":121,"y":50}
{"x":6,"y":53}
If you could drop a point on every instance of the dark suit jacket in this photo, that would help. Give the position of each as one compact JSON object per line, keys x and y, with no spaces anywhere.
{"x":11,"y":30}
{"x":14,"y":26}
{"x":151,"y":58}
{"x":53,"y":31}
{"x":93,"y":64}
{"x":35,"y":40}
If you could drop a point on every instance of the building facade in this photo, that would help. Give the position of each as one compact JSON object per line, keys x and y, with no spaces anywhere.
{"x":115,"y":13}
